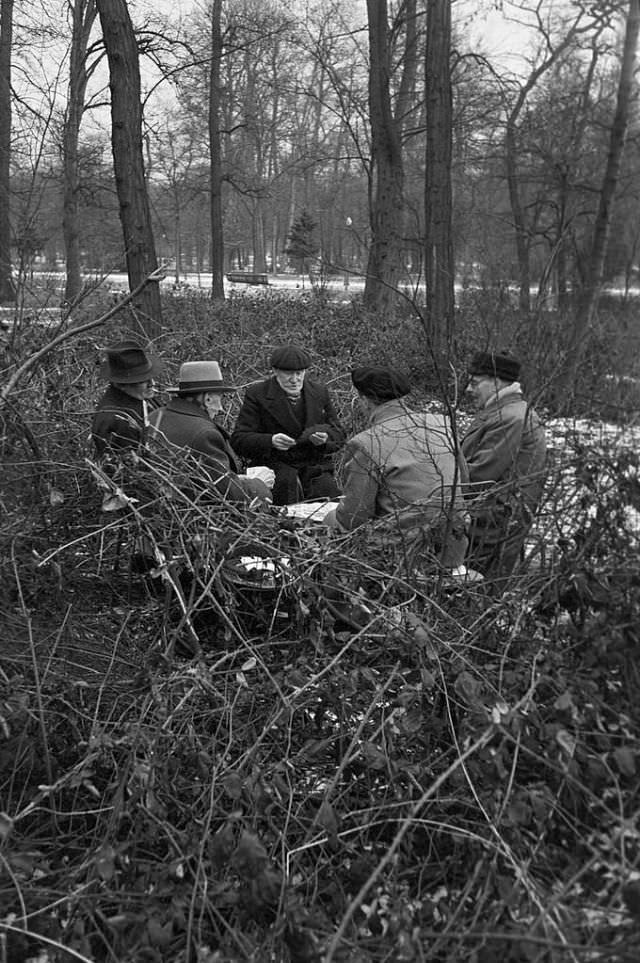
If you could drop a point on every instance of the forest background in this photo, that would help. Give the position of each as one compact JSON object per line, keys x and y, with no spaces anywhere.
{"x":248,"y":770}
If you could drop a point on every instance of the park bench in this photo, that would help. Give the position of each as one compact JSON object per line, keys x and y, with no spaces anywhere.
{"x":247,"y":277}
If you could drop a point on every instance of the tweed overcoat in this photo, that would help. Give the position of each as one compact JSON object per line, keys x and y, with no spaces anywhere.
{"x":404,"y":468}
{"x":505,"y":449}
{"x":184,"y":427}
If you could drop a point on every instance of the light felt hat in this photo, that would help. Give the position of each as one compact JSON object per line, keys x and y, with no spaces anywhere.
{"x":197,"y":376}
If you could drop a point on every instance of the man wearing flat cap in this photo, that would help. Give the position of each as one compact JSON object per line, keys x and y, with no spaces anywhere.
{"x":119,"y":421}
{"x":403,"y":472}
{"x":185,"y":428}
{"x":505,"y":450}
{"x":289,"y":422}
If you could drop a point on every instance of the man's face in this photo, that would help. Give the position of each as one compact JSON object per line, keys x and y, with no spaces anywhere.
{"x":213,"y":403}
{"x":291,"y":382}
{"x":481,"y":388}
{"x":142,"y":390}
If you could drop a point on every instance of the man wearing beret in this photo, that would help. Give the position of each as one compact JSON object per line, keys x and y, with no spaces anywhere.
{"x":404,"y":472}
{"x":505,"y":450}
{"x":289,"y":423}
{"x":120,"y":419}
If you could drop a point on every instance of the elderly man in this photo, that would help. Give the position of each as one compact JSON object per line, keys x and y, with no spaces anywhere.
{"x":403,"y":470}
{"x":119,"y":421}
{"x":186,"y":427}
{"x":505,"y":450}
{"x":289,"y":423}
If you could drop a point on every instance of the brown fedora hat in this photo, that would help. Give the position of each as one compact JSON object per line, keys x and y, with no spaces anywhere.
{"x":197,"y":376}
{"x":128,"y":363}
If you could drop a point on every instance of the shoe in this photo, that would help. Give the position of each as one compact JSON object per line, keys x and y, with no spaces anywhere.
{"x":466,"y":574}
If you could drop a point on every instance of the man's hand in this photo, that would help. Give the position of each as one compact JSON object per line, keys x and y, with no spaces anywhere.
{"x":318,"y":438}
{"x":282,"y":442}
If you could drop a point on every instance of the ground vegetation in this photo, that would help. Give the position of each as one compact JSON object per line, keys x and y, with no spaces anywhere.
{"x":342,"y":759}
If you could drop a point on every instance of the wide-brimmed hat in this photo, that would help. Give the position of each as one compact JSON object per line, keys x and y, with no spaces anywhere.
{"x":197,"y":376}
{"x":290,"y":357}
{"x":503,"y":366}
{"x":128,"y":363}
{"x":380,"y":382}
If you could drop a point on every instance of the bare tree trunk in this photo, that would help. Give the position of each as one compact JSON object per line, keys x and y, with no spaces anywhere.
{"x":7,"y":287}
{"x":84,"y":15}
{"x":439,"y":260}
{"x":387,"y":176}
{"x":588,"y":304}
{"x":215,"y":150}
{"x":517,"y":213}
{"x":128,"y":159}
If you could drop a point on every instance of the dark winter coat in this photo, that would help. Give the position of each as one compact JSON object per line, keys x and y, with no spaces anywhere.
{"x":266,"y":411}
{"x":118,"y":422}
{"x":185,"y":429}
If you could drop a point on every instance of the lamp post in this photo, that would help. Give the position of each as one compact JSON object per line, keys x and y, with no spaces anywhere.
{"x":348,"y":222}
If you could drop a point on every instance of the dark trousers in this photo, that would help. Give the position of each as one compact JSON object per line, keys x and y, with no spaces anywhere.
{"x":308,"y":482}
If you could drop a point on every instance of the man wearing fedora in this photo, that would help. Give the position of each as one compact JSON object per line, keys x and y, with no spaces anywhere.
{"x":121,"y":416}
{"x":505,"y":449}
{"x":289,"y":422}
{"x":186,"y":426}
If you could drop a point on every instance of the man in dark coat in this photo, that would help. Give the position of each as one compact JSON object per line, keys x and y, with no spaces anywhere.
{"x":119,"y":421}
{"x":185,"y":428}
{"x":505,"y":450}
{"x":289,"y":422}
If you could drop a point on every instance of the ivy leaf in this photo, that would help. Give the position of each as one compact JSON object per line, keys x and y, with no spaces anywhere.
{"x":563,"y":702}
{"x":374,"y":757}
{"x":105,"y":862}
{"x":625,"y":761}
{"x":327,"y":818}
{"x":233,"y":785}
{"x":250,"y":857}
{"x":469,"y":689}
{"x":221,"y":846}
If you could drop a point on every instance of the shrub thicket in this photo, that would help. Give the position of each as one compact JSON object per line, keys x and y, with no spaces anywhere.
{"x":347,"y":761}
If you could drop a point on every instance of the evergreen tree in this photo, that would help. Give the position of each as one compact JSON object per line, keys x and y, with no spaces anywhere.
{"x":302,"y":246}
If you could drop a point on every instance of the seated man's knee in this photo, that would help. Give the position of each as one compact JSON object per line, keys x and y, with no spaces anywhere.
{"x":320,"y":485}
{"x":286,"y":487}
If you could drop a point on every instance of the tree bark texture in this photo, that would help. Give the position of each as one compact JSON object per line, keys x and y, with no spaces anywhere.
{"x":439,"y":260}
{"x":215,"y":151}
{"x":387,"y":177}
{"x":128,"y":159}
{"x":588,"y":305}
{"x":7,"y":287}
{"x":83,"y":13}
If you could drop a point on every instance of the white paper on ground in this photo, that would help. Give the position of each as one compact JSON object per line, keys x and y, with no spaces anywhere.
{"x":316,"y":511}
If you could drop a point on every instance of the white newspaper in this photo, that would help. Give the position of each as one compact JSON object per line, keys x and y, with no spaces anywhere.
{"x":311,"y":511}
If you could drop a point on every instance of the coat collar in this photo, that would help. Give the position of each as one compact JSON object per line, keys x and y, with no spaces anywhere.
{"x":276,"y":401}
{"x":505,"y":396}
{"x":184,"y":407}
{"x":387,"y":410}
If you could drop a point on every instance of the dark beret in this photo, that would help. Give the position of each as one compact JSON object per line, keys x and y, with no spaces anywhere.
{"x":289,"y":357}
{"x":495,"y":365}
{"x":380,"y":382}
